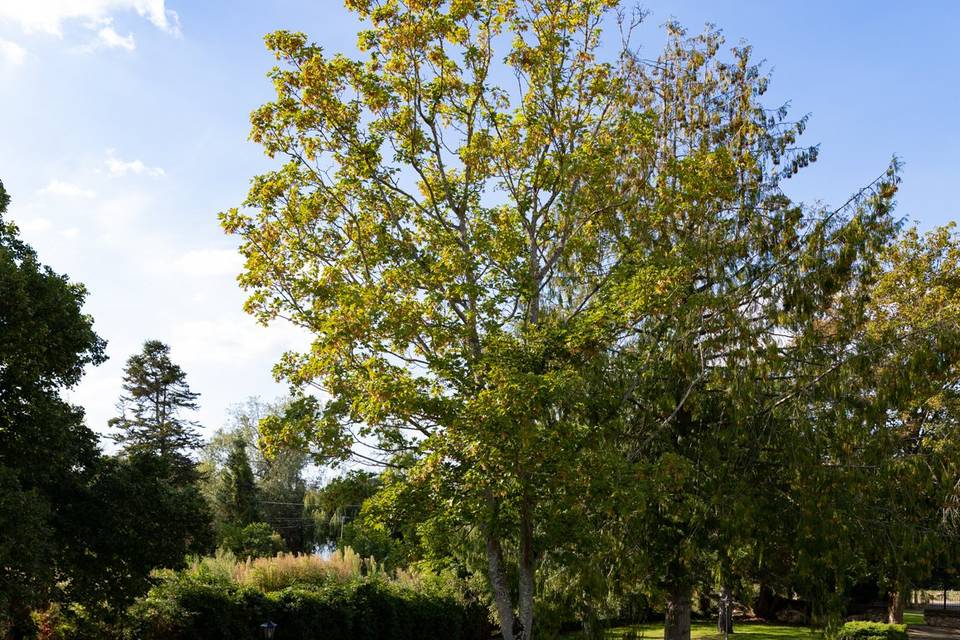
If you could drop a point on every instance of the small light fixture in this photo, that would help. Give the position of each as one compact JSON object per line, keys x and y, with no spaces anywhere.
{"x":268,"y":629}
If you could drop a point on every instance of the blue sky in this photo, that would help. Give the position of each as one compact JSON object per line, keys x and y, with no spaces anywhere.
{"x":126,"y":121}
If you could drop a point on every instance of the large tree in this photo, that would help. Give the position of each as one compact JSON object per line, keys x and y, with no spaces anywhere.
{"x":151,"y":421}
{"x":545,"y":287}
{"x":46,"y":452}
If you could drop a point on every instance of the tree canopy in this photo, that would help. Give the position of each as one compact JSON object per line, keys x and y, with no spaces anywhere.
{"x":151,"y":419}
{"x":550,"y":280}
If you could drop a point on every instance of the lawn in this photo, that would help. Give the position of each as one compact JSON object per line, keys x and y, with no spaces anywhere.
{"x":704,"y":630}
{"x":913,"y":617}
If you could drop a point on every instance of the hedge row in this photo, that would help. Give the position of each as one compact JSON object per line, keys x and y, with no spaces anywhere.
{"x":362,"y":609}
{"x":872,"y":631}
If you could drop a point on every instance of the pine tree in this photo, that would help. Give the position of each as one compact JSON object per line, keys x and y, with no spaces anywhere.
{"x":156,"y":394}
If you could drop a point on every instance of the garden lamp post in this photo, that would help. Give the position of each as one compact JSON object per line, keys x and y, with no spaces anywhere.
{"x":268,"y":629}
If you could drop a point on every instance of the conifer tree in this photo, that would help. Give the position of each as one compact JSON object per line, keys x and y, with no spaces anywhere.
{"x":151,"y":421}
{"x":237,"y":495}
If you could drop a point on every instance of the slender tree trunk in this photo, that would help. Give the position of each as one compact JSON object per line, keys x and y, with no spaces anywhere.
{"x":527,"y":569}
{"x":677,"y":623}
{"x":501,"y":588}
{"x":725,"y":611}
{"x":895,"y":606}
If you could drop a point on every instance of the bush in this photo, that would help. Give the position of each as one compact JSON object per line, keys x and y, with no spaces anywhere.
{"x":256,"y":540}
{"x":317,"y":599}
{"x":872,"y":631}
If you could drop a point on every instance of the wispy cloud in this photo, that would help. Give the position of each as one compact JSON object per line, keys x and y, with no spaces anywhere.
{"x":119,"y":167}
{"x":11,"y":53}
{"x":109,"y":38}
{"x":67,"y":190}
{"x":48,"y":16}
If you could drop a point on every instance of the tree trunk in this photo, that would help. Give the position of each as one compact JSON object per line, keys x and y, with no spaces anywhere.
{"x":725,"y":612}
{"x":500,"y":586}
{"x":527,"y":571}
{"x":895,"y":607}
{"x":765,"y":605}
{"x":677,"y":623}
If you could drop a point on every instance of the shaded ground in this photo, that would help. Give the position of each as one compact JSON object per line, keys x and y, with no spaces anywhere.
{"x":924,"y":632}
{"x":701,"y":630}
{"x":919,"y":631}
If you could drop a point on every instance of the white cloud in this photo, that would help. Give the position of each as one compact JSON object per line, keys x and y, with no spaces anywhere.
{"x":209,"y":262}
{"x":234,"y":339}
{"x":67,"y":190}
{"x":118,"y":167}
{"x":11,"y":53}
{"x":48,"y":16}
{"x":109,"y":38}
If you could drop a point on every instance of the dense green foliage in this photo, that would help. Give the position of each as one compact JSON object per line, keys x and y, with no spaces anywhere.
{"x":47,"y":455}
{"x":204,"y":603}
{"x":872,"y":631}
{"x":253,"y":540}
{"x":237,"y":493}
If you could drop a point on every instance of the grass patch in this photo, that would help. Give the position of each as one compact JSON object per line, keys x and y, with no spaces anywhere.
{"x":703,"y":630}
{"x":912,"y":617}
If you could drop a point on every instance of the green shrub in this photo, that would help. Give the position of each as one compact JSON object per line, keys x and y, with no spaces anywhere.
{"x":256,"y":540}
{"x":872,"y":631}
{"x":209,"y":601}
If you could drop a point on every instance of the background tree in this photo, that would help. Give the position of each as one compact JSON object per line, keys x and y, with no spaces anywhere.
{"x":126,"y":521}
{"x":237,"y":493}
{"x":280,"y":478}
{"x":335,"y":507}
{"x":156,"y":394}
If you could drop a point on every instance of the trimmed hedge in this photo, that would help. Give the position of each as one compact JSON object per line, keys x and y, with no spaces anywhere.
{"x":361,"y":609}
{"x":872,"y":631}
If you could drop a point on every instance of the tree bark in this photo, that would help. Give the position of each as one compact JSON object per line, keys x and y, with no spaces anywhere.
{"x":677,"y":623}
{"x":895,"y":607}
{"x":501,"y":588}
{"x":527,"y":570}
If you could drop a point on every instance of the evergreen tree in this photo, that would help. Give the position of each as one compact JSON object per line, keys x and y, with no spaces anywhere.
{"x":156,"y":394}
{"x":237,"y":495}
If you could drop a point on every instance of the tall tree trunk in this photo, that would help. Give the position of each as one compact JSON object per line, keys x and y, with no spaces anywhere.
{"x":765,"y":605}
{"x":527,"y":569}
{"x":677,"y":623}
{"x":725,"y":611}
{"x":499,"y":584}
{"x":895,"y":606}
